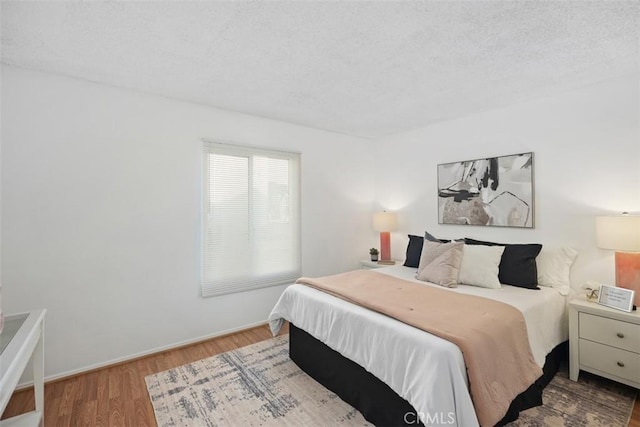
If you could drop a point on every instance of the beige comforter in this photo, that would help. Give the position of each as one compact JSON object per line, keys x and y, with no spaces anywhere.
{"x":491,"y":335}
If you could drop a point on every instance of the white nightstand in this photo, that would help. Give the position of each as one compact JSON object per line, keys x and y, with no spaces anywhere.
{"x":604,"y":341}
{"x":366,"y":264}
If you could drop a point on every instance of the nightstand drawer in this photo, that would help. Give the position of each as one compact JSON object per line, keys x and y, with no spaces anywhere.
{"x":609,"y":360}
{"x":611,"y":332}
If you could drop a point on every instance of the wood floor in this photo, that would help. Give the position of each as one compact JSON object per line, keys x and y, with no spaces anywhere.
{"x":635,"y":417}
{"x":117,"y":396}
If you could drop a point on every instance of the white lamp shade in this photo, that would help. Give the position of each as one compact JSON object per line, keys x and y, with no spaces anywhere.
{"x":621,"y":233}
{"x":385,"y":221}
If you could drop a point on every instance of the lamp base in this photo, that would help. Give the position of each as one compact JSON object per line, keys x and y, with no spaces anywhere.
{"x":385,"y":246}
{"x":628,"y":273}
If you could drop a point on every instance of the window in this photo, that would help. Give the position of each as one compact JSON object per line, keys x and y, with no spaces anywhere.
{"x":251,"y":218}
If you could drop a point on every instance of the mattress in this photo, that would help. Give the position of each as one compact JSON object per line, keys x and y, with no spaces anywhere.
{"x":427,"y":371}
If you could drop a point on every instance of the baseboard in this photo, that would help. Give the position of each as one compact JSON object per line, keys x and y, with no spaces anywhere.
{"x":132,"y":357}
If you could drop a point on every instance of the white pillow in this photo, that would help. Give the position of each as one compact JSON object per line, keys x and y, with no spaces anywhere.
{"x":479,"y":266}
{"x":554,"y":268}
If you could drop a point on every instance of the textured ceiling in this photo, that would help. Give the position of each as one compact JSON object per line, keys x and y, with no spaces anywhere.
{"x":361,"y":68}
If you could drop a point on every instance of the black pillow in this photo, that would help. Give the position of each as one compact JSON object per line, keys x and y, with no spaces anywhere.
{"x":414,"y":250}
{"x":518,"y":264}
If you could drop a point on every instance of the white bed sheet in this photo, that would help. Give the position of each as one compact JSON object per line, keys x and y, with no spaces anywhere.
{"x":426,"y":370}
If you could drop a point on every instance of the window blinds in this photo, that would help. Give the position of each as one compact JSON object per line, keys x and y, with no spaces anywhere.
{"x":251,"y":218}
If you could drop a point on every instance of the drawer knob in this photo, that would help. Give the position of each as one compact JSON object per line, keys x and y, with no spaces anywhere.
{"x":620,"y":335}
{"x":620,"y":364}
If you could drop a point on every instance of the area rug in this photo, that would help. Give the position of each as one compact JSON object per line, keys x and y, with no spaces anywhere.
{"x":592,"y":401}
{"x":259,"y":385}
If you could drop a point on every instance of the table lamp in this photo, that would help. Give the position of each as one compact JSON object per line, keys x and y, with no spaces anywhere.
{"x":622,"y":233}
{"x":385,"y":223}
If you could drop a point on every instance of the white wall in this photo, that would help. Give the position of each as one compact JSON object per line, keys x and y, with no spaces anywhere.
{"x":101,"y":200}
{"x":101,"y":214}
{"x":586,"y":146}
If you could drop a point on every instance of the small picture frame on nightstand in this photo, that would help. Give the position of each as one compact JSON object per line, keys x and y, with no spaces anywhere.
{"x":618,"y":298}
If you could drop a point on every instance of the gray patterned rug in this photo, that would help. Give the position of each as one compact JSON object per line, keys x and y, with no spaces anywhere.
{"x":592,"y":401}
{"x":259,"y":385}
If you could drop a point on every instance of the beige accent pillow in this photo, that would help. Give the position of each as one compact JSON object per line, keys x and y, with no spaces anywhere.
{"x":440,"y":262}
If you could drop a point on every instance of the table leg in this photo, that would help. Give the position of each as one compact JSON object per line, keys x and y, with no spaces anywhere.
{"x":38,"y":373}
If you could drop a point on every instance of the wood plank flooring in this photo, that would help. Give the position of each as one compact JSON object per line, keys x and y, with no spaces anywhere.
{"x":635,"y":416}
{"x":117,"y":396}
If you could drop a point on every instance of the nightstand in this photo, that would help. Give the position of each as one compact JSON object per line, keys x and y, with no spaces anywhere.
{"x":604,"y":341}
{"x":366,"y":264}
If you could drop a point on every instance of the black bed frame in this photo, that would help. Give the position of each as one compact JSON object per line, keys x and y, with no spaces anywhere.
{"x":377,"y":402}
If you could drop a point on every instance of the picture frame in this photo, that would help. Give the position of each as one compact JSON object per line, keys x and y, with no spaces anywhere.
{"x":494,"y":191}
{"x":618,"y":298}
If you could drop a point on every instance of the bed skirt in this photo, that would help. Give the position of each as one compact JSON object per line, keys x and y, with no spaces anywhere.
{"x":377,"y":402}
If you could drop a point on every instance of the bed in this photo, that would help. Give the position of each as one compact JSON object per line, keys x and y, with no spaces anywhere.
{"x":397,"y":374}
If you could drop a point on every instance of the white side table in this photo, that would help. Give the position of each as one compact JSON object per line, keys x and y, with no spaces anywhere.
{"x":604,"y":341}
{"x":366,"y":264}
{"x":23,"y":335}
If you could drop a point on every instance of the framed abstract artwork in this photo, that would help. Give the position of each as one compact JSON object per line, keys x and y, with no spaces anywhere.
{"x":496,"y":191}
